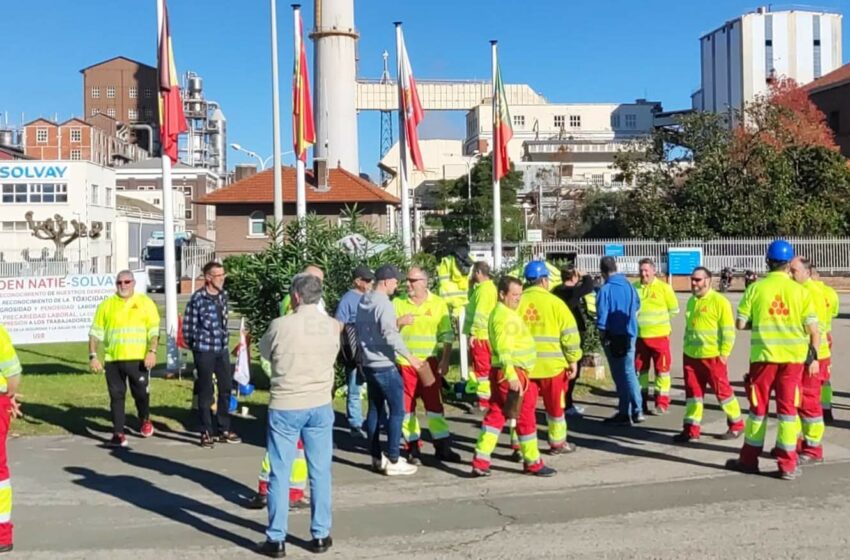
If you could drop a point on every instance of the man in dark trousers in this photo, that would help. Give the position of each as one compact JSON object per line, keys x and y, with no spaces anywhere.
{"x":205,"y":332}
{"x":575,"y":291}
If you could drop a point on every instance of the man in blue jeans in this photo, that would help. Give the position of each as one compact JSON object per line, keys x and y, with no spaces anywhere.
{"x":380,"y":343}
{"x":346,"y":313}
{"x":301,"y":348}
{"x":617,"y":306}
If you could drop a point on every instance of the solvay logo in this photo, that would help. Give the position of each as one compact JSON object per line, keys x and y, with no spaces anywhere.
{"x":778,"y":307}
{"x":33,"y":171}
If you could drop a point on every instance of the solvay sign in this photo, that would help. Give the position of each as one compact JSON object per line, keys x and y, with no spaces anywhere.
{"x":33,"y":171}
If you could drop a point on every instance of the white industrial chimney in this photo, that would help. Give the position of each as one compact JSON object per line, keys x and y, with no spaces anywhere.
{"x":335,"y":84}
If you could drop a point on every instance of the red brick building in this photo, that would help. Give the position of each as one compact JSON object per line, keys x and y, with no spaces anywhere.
{"x":102,"y":141}
{"x":831,"y":93}
{"x":243,"y":208}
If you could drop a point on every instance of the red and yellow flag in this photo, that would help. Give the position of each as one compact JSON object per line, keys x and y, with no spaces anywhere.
{"x":411,"y":107}
{"x":303,"y":127}
{"x":502,"y":129}
{"x":172,"y":121}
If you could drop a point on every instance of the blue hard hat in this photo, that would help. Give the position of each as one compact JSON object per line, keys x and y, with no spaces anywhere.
{"x":535,"y":270}
{"x":780,"y":251}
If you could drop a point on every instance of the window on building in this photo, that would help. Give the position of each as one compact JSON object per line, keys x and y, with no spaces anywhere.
{"x":134,"y":92}
{"x":95,"y":93}
{"x":93,"y":265}
{"x":519,"y":121}
{"x":155,"y":202}
{"x":188,"y":213}
{"x":148,"y":93}
{"x":816,"y":46}
{"x":76,"y":155}
{"x":95,"y":111}
{"x":108,"y":230}
{"x":41,"y":135}
{"x":575,"y":121}
{"x":110,"y":92}
{"x":597,"y":179}
{"x":108,"y":261}
{"x":257,"y":223}
{"x":111,"y":112}
{"x":615,"y":121}
{"x":631,"y":121}
{"x":23,"y":193}
{"x":76,"y":135}
{"x":108,"y":200}
{"x":93,"y":200}
{"x":148,"y":114}
{"x":559,"y":121}
{"x":768,"y":46}
{"x":132,"y":114}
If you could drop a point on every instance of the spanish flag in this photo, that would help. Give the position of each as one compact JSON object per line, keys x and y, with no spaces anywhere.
{"x":303,"y":128}
{"x":172,"y":121}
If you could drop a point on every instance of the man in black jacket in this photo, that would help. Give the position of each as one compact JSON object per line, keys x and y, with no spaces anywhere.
{"x":573,"y":291}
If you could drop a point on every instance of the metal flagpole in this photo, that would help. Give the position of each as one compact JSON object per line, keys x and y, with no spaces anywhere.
{"x":402,"y":147}
{"x":497,"y":193}
{"x":300,"y":187}
{"x":278,"y":179}
{"x":172,"y":362}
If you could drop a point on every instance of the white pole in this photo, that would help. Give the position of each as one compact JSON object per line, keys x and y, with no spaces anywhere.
{"x":300,"y":188}
{"x":172,"y":362}
{"x":402,"y":149}
{"x":278,"y":179}
{"x":497,"y":193}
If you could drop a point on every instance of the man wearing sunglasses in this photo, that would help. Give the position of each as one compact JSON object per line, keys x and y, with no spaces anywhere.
{"x":127,"y":324}
{"x":709,"y":337}
{"x":426,"y":329}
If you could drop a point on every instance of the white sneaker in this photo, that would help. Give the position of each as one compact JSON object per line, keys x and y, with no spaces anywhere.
{"x":380,"y":465}
{"x":400,"y":468}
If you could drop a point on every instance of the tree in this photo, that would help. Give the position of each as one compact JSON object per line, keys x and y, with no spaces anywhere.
{"x":477,"y":214}
{"x":55,"y":229}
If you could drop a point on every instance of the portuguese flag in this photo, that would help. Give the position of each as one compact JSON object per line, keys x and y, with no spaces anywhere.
{"x":502,"y":130}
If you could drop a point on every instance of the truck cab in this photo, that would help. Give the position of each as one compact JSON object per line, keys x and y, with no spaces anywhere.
{"x":153,"y":258}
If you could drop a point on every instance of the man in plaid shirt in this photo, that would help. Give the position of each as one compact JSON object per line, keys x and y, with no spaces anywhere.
{"x":205,"y":332}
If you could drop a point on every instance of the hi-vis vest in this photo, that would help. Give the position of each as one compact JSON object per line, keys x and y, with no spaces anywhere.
{"x":511,"y":342}
{"x":709,"y":326}
{"x":481,"y":303}
{"x":657,"y":304}
{"x":824,"y":313}
{"x":832,"y":303}
{"x":125,"y":326}
{"x":554,"y":329}
{"x":10,"y":366}
{"x":431,"y":328}
{"x":779,"y":309}
{"x":453,"y":284}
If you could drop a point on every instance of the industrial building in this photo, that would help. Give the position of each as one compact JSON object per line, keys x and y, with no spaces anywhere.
{"x":831,"y":94}
{"x":740,"y":58}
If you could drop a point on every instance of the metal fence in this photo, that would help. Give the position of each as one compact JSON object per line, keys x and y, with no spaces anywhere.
{"x":830,"y":254}
{"x":194,"y":259}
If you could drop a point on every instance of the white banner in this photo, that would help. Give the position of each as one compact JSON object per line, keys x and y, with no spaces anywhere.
{"x":42,"y":309}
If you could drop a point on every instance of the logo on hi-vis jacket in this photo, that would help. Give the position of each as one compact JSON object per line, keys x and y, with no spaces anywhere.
{"x":531,"y":315}
{"x":778,"y":307}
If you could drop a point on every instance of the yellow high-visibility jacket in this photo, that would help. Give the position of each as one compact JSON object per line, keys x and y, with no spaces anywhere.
{"x":125,"y":326}
{"x":554,"y":329}
{"x":657,"y":304}
{"x":483,"y":299}
{"x":709,"y":326}
{"x":453,"y":285}
{"x":511,"y":342}
{"x":431,"y":328}
{"x":10,"y":366}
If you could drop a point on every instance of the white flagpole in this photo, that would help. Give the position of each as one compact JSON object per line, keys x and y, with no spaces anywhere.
{"x":172,"y":362}
{"x":278,"y":179}
{"x":402,"y":147}
{"x":300,"y":187}
{"x":497,"y":193}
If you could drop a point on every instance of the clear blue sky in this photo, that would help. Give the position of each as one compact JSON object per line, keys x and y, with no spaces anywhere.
{"x":568,"y":50}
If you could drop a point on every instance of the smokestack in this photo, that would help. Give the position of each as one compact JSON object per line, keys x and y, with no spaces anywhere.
{"x":335,"y":83}
{"x":244,"y":170}
{"x":320,"y":174}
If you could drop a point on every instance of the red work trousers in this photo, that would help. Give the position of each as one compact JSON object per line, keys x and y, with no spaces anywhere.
{"x":783,"y":380}
{"x":654,"y":351}
{"x":6,"y":516}
{"x":481,"y":354}
{"x":711,"y":372}
{"x":553,"y":391}
{"x":811,"y":410}
{"x":431,"y":396}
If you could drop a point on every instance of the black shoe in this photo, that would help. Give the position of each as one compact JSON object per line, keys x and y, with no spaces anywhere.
{"x":644,"y":407}
{"x":544,"y":472}
{"x":828,"y":418}
{"x":684,"y":437}
{"x":229,"y":437}
{"x":207,"y":441}
{"x":6,"y":548}
{"x":618,"y":420}
{"x":730,"y":434}
{"x":414,"y":456}
{"x":259,"y":501}
{"x":516,"y":456}
{"x":443,"y":452}
{"x":792,"y":475}
{"x":273,"y":549}
{"x":805,"y":460}
{"x":321,"y":545}
{"x":736,"y":465}
{"x":480,"y":473}
{"x":563,"y":449}
{"x":638,"y":418}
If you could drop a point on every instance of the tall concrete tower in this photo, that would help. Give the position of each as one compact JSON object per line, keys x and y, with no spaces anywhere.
{"x":335,"y":83}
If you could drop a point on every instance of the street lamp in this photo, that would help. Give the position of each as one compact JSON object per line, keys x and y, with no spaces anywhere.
{"x":468,"y":163}
{"x":261,"y":161}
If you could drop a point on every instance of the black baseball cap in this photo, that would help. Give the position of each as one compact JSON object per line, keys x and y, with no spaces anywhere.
{"x":363,"y":272}
{"x":387,"y":272}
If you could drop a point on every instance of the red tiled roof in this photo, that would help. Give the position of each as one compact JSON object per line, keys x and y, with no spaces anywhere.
{"x":343,"y":187}
{"x":834,"y":78}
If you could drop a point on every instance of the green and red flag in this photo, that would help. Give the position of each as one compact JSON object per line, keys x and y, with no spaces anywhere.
{"x":410,"y":105}
{"x":303,"y":127}
{"x":502,"y":129}
{"x":172,"y":121}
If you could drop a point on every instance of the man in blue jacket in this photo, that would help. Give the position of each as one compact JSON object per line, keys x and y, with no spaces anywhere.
{"x":617,"y":307}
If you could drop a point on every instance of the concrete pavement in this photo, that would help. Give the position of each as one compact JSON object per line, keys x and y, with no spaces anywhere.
{"x":627,"y":493}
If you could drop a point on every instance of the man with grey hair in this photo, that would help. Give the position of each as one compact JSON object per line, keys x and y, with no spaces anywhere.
{"x":302,"y":349}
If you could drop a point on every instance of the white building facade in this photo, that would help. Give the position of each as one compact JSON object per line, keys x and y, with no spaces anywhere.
{"x":75,"y":190}
{"x":739,"y":59}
